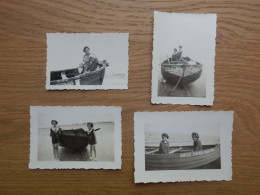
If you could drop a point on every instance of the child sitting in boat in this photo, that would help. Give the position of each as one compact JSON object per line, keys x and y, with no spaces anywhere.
{"x":197,"y":144}
{"x":90,"y":61}
{"x":164,"y":145}
{"x":175,"y":55}
{"x":179,"y":54}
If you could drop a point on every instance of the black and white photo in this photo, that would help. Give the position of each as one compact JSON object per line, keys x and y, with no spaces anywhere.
{"x":183,"y":58}
{"x":87,"y":61}
{"x":75,"y":137}
{"x":183,"y":146}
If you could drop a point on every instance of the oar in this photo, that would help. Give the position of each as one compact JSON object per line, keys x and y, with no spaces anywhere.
{"x":184,"y":68}
{"x":97,"y":129}
{"x":176,"y":150}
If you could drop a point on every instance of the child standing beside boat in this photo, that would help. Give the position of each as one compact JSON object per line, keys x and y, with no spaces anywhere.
{"x":54,"y":133}
{"x":164,"y":144}
{"x":197,"y":144}
{"x":92,"y":140}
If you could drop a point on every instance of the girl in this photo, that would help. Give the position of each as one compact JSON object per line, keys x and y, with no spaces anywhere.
{"x":54,"y":133}
{"x":164,"y":145}
{"x":197,"y":144}
{"x":92,"y":140}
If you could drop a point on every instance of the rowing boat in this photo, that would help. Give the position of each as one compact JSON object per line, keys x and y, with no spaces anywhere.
{"x":181,"y":160}
{"x":94,"y":77}
{"x":180,"y":72}
{"x":73,"y":139}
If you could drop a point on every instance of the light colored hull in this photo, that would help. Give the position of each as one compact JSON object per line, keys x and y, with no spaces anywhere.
{"x":181,"y":161}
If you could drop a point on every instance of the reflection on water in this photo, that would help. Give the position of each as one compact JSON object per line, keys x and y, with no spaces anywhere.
{"x":195,"y":89}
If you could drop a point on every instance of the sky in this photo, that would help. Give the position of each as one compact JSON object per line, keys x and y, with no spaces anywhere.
{"x":194,"y":32}
{"x":180,"y":134}
{"x":207,"y":129}
{"x":65,"y":51}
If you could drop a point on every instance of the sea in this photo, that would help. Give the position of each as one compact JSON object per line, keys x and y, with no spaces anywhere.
{"x":175,"y":139}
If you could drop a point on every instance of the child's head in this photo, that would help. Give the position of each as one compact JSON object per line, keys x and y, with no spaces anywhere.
{"x":54,"y":122}
{"x":86,"y":50}
{"x":90,"y":125}
{"x":195,"y":136}
{"x":165,"y":136}
{"x":175,"y":50}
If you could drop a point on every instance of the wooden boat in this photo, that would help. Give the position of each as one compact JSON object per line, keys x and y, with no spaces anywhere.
{"x":180,"y":73}
{"x":73,"y":139}
{"x":178,"y":160}
{"x":94,"y":77}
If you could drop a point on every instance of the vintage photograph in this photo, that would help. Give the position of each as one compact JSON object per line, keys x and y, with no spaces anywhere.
{"x":183,"y":58}
{"x":87,"y":61}
{"x":183,"y":146}
{"x":167,"y":148}
{"x":75,"y":137}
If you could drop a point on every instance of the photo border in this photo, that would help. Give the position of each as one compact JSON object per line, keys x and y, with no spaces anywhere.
{"x":210,"y":71}
{"x":224,"y":118}
{"x":35,"y":164}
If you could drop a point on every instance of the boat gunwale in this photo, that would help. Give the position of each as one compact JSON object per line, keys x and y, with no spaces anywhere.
{"x":187,"y":154}
{"x":177,"y":62}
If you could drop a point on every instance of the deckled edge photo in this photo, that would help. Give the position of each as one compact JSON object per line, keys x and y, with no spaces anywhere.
{"x":223,"y":118}
{"x":95,"y":115}
{"x":87,"y":61}
{"x":160,"y":19}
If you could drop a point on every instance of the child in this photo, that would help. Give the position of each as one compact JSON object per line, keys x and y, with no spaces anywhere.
{"x":54,"y":133}
{"x":92,"y":140}
{"x":197,"y":144}
{"x":164,"y":145}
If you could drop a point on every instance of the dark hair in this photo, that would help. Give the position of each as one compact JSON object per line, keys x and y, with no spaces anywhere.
{"x":175,"y":49}
{"x":86,"y":48}
{"x":55,"y":122}
{"x":180,"y":46}
{"x":91,"y":124}
{"x":194,"y":134}
{"x":165,"y":135}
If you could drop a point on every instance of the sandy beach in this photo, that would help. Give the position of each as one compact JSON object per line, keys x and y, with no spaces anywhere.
{"x":104,"y":146}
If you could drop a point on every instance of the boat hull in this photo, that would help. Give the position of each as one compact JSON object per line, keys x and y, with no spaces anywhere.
{"x":181,"y":161}
{"x":173,"y":78}
{"x":93,"y":79}
{"x":73,"y":139}
{"x":88,"y":78}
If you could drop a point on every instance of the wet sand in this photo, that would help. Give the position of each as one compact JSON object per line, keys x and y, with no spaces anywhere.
{"x":195,"y":89}
{"x":104,"y":146}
